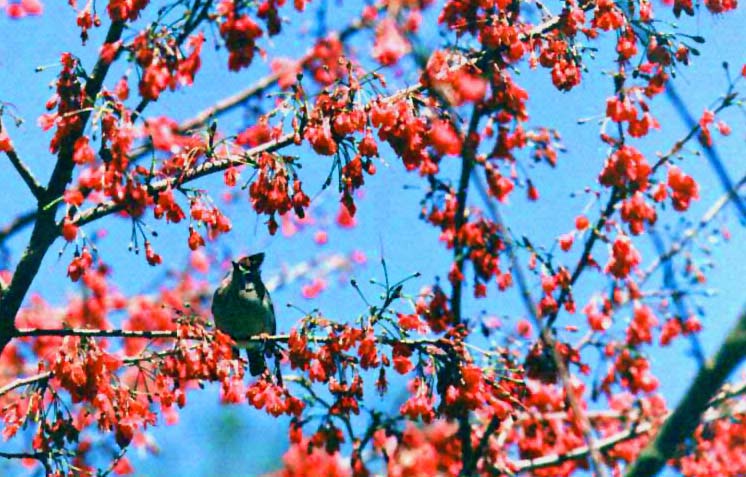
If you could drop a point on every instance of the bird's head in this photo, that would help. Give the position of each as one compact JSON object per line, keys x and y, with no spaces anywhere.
{"x":247,"y":269}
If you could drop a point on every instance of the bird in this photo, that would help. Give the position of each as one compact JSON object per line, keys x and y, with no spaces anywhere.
{"x":242,"y":308}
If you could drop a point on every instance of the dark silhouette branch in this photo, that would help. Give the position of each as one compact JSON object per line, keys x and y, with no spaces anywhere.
{"x":45,"y":229}
{"x":16,"y":225}
{"x":24,"y":171}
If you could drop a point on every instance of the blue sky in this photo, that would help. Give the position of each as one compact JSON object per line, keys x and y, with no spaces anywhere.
{"x":387,"y":217}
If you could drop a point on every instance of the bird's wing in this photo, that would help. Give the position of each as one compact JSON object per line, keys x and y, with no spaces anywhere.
{"x":272,"y":326}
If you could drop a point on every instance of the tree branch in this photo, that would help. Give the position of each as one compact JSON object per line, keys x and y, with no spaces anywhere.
{"x":21,"y":455}
{"x":45,"y":229}
{"x":237,"y":99}
{"x":581,"y":452}
{"x":173,"y":334}
{"x":711,"y":153}
{"x":692,"y":232}
{"x":48,"y":374}
{"x":24,"y":171}
{"x":635,"y":430}
{"x":614,"y":200}
{"x":441,"y":343}
{"x":17,"y":224}
{"x":467,"y":166}
{"x":204,"y":169}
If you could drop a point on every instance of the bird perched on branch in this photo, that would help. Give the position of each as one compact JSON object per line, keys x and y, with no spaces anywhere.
{"x":242,"y":308}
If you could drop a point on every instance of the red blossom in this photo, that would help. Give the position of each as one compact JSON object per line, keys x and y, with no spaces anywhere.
{"x":274,"y":399}
{"x":444,"y":138}
{"x":420,"y":403}
{"x":390,"y":44}
{"x":152,"y":257}
{"x":626,"y":167}
{"x":624,"y":257}
{"x":581,"y":222}
{"x":240,"y":34}
{"x":636,"y":212}
{"x":683,"y":188}
{"x":69,"y":229}
{"x":5,"y":142}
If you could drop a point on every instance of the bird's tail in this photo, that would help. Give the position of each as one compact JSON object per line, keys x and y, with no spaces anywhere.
{"x":257,"y":363}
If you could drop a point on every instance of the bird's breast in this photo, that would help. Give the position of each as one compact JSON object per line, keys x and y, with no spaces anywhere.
{"x":242,"y":314}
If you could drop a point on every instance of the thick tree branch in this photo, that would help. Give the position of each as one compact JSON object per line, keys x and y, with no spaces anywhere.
{"x":683,"y":421}
{"x":45,"y":229}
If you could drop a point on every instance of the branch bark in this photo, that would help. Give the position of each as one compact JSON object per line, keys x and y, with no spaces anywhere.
{"x":45,"y":229}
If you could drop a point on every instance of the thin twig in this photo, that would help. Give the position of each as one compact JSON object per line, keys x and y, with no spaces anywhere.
{"x":24,"y":171}
{"x":169,"y":334}
{"x":48,"y":374}
{"x":690,"y":233}
{"x":17,"y":224}
{"x":711,"y":153}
